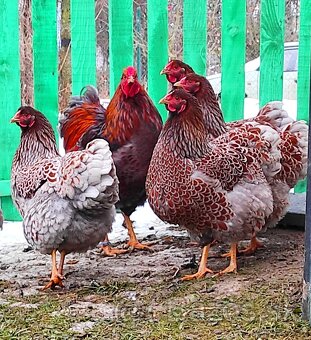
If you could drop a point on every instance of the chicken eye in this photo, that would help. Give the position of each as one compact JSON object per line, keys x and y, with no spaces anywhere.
{"x":177,"y":98}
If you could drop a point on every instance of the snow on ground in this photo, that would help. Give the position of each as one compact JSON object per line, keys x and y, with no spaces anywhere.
{"x":146,"y":223}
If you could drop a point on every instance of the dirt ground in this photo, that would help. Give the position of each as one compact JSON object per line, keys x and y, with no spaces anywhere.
{"x":149,"y":282}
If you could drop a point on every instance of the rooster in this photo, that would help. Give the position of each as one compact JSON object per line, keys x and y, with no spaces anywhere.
{"x":131,"y":124}
{"x":214,"y":187}
{"x":67,"y":203}
{"x":293,"y":140}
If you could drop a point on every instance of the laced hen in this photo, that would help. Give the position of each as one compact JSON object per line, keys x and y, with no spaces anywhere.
{"x":131,"y":124}
{"x":67,"y":203}
{"x":292,"y":142}
{"x":215,"y":188}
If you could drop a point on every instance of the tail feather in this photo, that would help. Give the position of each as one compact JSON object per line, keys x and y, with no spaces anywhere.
{"x":82,"y":115}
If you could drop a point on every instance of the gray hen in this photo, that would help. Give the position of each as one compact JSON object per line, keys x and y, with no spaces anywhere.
{"x":67,"y":203}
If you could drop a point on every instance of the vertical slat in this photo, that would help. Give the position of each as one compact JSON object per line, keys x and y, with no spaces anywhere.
{"x":306,"y":293}
{"x":233,"y":30}
{"x":304,"y":61}
{"x":45,"y":58}
{"x":195,"y":35}
{"x":157,"y":36}
{"x":10,"y":98}
{"x":120,"y":39}
{"x":272,"y":20}
{"x":83,"y":44}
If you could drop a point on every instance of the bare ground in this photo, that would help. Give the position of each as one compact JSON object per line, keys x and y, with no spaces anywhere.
{"x":110,"y":296}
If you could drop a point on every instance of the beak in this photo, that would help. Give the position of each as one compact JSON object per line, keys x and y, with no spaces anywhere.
{"x":178,"y":84}
{"x":15,"y":119}
{"x":130,"y":79}
{"x":164,"y":71}
{"x":163,"y":101}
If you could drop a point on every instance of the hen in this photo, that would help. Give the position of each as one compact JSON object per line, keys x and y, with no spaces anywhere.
{"x":131,"y":125}
{"x":293,"y":141}
{"x":175,"y":70}
{"x":215,"y":188}
{"x":67,"y":203}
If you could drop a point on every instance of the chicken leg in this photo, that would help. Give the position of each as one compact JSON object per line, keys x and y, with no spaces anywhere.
{"x":107,"y":250}
{"x":133,"y":243}
{"x":55,"y":277}
{"x":252,"y":247}
{"x":232,"y":268}
{"x":203,"y":270}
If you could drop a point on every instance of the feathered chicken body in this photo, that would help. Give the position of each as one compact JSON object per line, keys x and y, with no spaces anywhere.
{"x":131,"y":124}
{"x":216,"y":189}
{"x":277,"y":128}
{"x":67,"y":203}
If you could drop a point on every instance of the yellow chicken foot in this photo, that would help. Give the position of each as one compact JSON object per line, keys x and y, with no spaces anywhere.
{"x":232,"y":268}
{"x":55,"y":277}
{"x":107,"y":250}
{"x":252,"y":247}
{"x":203,"y":270}
{"x":133,"y":243}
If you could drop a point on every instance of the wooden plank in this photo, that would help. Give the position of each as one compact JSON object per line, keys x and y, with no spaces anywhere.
{"x":304,"y":65}
{"x":5,"y":188}
{"x":120,"y":39}
{"x":306,"y":293}
{"x":10,"y":100}
{"x":195,"y":35}
{"x":45,"y":58}
{"x":233,"y":30}
{"x":157,"y":35}
{"x":83,"y":44}
{"x":271,"y":50}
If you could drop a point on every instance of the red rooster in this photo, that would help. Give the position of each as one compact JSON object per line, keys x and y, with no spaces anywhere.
{"x":131,"y":124}
{"x":292,"y":144}
{"x":214,"y":187}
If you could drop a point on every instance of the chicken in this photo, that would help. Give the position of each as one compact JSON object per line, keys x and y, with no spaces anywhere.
{"x":293,"y":141}
{"x":175,"y":70}
{"x":67,"y":203}
{"x":131,"y":125}
{"x":215,"y":188}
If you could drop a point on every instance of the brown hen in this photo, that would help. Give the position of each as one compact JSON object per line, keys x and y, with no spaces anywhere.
{"x":131,"y":124}
{"x":292,"y":144}
{"x":215,"y":188}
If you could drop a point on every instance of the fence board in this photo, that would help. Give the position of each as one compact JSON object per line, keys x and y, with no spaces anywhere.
{"x":233,"y":30}
{"x":304,"y":61}
{"x":157,"y":35}
{"x":45,"y":59}
{"x":271,"y":50}
{"x":10,"y":100}
{"x":120,"y":39}
{"x":195,"y":35}
{"x":83,"y":44}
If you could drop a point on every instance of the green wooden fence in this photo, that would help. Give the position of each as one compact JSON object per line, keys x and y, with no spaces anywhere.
{"x":83,"y":58}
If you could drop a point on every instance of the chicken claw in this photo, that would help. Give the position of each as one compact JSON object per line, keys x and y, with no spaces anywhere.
{"x":107,"y":250}
{"x":203,"y":270}
{"x":56,"y":277}
{"x":252,"y":247}
{"x":232,"y":268}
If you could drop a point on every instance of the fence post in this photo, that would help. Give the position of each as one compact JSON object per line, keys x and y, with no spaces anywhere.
{"x":157,"y":33}
{"x":233,"y":37}
{"x":120,"y":39}
{"x":272,"y":20}
{"x":83,"y":44}
{"x":44,"y":23}
{"x":9,"y":100}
